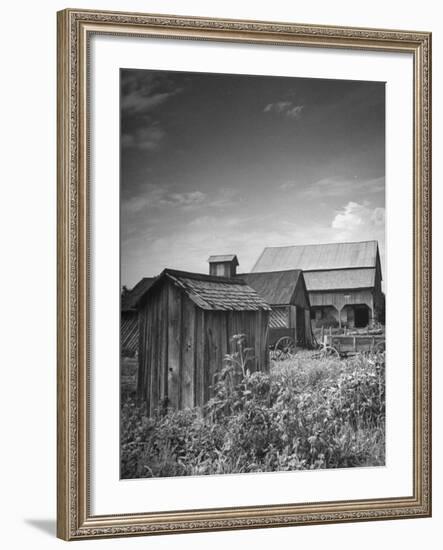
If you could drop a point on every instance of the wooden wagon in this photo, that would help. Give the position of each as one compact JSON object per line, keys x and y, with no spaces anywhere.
{"x":346,"y":345}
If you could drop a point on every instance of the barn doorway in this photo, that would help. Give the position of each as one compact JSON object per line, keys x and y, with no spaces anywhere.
{"x":361,"y":316}
{"x":301,"y":333}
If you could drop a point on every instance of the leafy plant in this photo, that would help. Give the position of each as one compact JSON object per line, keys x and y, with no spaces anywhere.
{"x":304,"y":414}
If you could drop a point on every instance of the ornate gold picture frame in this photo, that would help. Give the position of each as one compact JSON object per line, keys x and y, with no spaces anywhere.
{"x":74,"y":517}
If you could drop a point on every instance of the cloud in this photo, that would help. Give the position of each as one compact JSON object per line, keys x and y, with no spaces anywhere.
{"x":277,"y":107}
{"x":357,"y":221}
{"x":136,"y":101}
{"x":225,"y":197}
{"x":185,"y":199}
{"x":145,"y":138}
{"x":360,"y":222}
{"x":340,"y":187}
{"x":378,"y":217}
{"x":189,"y":247}
{"x":285,"y":108}
{"x":156,"y":197}
{"x":349,"y":218}
{"x":186,"y":244}
{"x":287,"y":185}
{"x":143,"y":91}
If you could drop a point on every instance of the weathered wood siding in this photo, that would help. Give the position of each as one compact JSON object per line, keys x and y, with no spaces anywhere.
{"x":379,"y":302}
{"x":152,"y":384}
{"x":308,"y":327}
{"x":182,"y":347}
{"x":341,"y":298}
{"x":300,"y":320}
{"x":301,"y":297}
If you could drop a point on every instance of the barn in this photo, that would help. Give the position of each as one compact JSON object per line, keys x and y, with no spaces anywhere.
{"x":286,"y":293}
{"x":129,"y":317}
{"x":343,"y":279}
{"x":186,"y":321}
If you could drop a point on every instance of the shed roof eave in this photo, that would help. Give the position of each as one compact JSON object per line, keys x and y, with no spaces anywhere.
{"x":340,"y":290}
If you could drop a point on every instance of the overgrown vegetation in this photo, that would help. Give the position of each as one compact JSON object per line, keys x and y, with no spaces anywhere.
{"x":304,"y":414}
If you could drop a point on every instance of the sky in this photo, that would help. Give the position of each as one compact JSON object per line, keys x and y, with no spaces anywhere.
{"x":215,"y":163}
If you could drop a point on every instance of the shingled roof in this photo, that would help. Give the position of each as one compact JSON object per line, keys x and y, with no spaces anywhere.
{"x":214,"y":293}
{"x":276,"y":287}
{"x":318,"y":256}
{"x":129,"y":300}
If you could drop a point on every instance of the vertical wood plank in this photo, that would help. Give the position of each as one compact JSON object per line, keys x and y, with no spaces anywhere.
{"x":296,"y":327}
{"x":258,"y":340}
{"x":256,"y":329}
{"x":224,"y":337}
{"x":146,"y":355}
{"x":207,"y":391}
{"x":267,"y":316}
{"x":211,"y":352}
{"x":308,"y":327}
{"x":173,"y":366}
{"x":199,"y":357}
{"x":216,"y":364}
{"x":163,"y":352}
{"x":188,"y":355}
{"x":153,"y":363}
{"x":141,"y":372}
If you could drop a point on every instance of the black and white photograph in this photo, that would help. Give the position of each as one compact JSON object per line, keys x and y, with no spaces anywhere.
{"x":252,"y":263}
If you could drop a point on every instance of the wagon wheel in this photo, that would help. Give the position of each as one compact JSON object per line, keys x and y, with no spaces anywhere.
{"x":380,"y":347}
{"x":284,"y":348}
{"x":329,"y":351}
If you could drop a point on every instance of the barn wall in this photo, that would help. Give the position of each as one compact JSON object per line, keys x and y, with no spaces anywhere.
{"x":174,"y":345}
{"x":301,"y":297}
{"x":308,"y":328}
{"x":254,"y":324}
{"x":188,"y":346}
{"x":300,"y":320}
{"x":300,"y":326}
{"x":152,"y":384}
{"x":341,"y":298}
{"x":379,"y":302}
{"x":215,"y":347}
{"x":292,"y":315}
{"x":199,"y":363}
{"x":218,"y":328}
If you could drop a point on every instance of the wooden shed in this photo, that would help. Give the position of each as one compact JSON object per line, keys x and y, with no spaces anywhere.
{"x":286,"y":293}
{"x":129,"y":317}
{"x":186,"y":322}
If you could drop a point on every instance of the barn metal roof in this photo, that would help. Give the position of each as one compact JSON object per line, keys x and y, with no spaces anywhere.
{"x":340,"y":279}
{"x":276,"y":287}
{"x":216,"y":293}
{"x":223,"y":258}
{"x":318,"y":256}
{"x":129,"y":301}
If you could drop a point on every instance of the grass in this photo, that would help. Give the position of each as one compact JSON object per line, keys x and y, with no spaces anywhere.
{"x":304,"y":414}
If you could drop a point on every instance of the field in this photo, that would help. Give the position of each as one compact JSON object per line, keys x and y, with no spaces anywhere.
{"x":306,"y":413}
